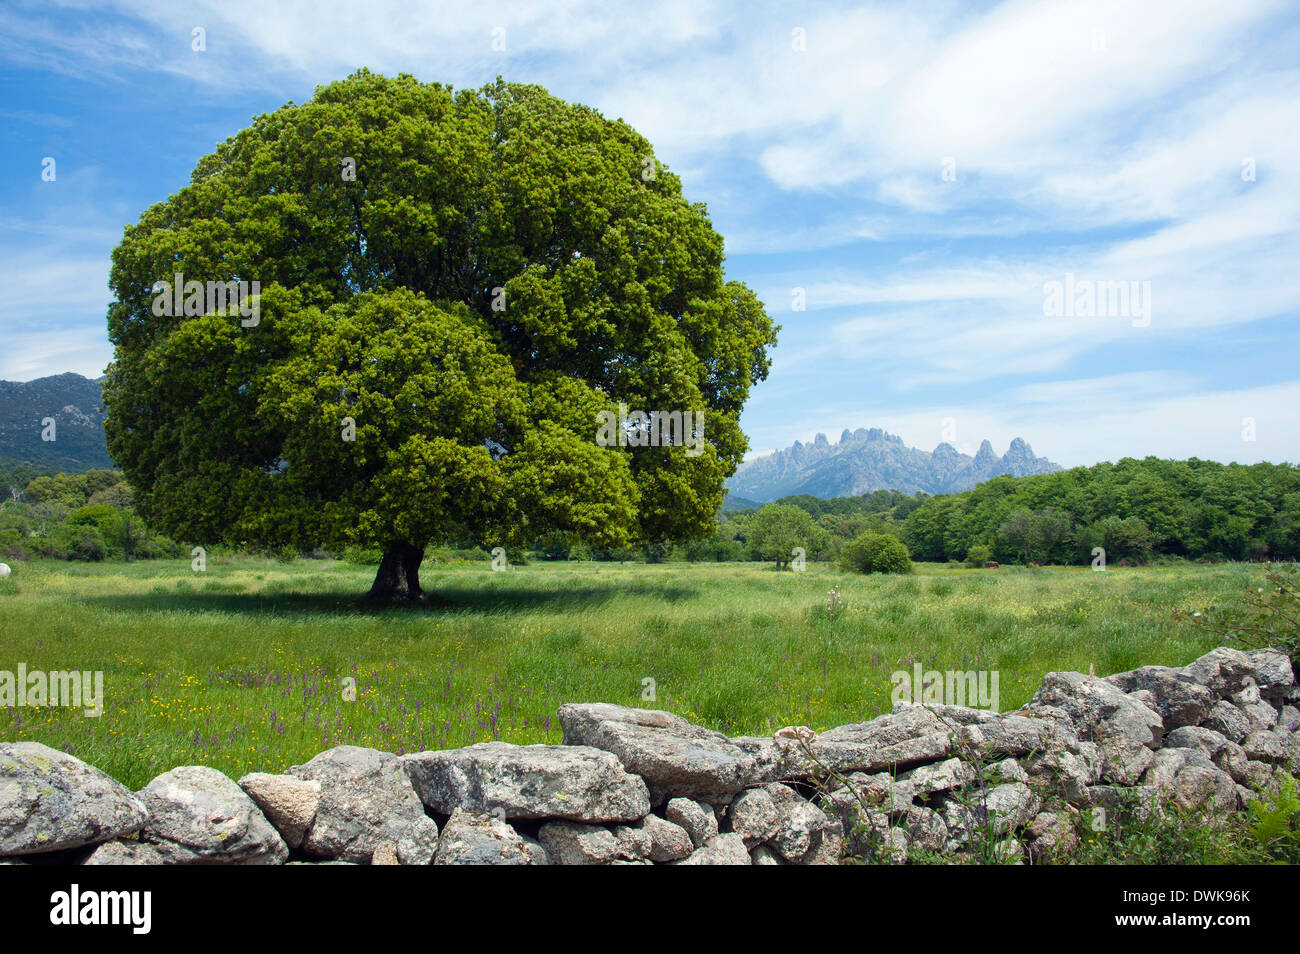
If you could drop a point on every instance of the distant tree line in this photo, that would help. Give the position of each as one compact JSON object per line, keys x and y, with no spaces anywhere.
{"x":88,"y":516}
{"x":1136,"y":510}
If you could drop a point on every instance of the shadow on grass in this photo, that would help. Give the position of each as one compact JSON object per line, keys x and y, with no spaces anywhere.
{"x":438,"y":600}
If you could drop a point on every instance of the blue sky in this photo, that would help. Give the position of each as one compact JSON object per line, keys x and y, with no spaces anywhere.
{"x":921,"y":172}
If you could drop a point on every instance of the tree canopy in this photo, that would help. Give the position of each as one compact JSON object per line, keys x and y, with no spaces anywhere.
{"x":1134,"y":509}
{"x":452,"y":286}
{"x":775,"y":530}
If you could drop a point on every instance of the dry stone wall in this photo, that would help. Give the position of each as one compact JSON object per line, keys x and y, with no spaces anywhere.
{"x":638,"y":786}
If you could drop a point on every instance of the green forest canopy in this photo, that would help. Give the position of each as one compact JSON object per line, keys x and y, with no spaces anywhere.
{"x":1136,"y":509}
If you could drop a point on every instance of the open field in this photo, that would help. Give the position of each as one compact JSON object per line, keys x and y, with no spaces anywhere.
{"x":241,"y":667}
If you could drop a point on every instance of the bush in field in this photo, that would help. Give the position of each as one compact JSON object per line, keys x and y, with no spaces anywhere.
{"x":978,"y":555}
{"x":1270,"y":618}
{"x":79,"y":543}
{"x":875,"y":553}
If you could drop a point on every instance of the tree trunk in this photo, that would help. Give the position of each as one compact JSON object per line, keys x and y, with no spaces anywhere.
{"x":398,"y":577}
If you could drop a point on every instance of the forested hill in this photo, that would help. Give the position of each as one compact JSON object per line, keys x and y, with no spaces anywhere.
{"x":1137,"y":510}
{"x":1134,"y":508}
{"x":75,"y":443}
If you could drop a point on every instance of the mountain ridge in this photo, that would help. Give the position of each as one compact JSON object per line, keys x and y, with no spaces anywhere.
{"x":75,"y":402}
{"x":869,"y":459}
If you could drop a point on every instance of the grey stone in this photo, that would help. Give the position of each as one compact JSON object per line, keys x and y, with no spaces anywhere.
{"x":576,"y":783}
{"x":479,"y":838}
{"x":634,"y":842}
{"x":1099,"y":708}
{"x":724,"y":849}
{"x":1191,"y":781}
{"x":668,"y":842}
{"x":827,"y":845}
{"x":366,"y":799}
{"x":1259,"y":714}
{"x":1274,"y":675}
{"x":1069,"y":773}
{"x":1123,"y":760}
{"x":960,"y":822}
{"x":1006,"y":770}
{"x":697,"y":819}
{"x":909,"y":737}
{"x":1288,"y":718}
{"x":674,"y":757}
{"x":289,"y":803}
{"x":1206,"y":741}
{"x":775,"y":759}
{"x":126,"y":853}
{"x":1178,"y":697}
{"x":939,"y":777}
{"x":1275,"y":746}
{"x":925,"y":828}
{"x":1224,"y":671}
{"x":754,"y":816}
{"x":1011,"y":805}
{"x":1228,"y":720}
{"x":1023,"y":732}
{"x":892,"y":795}
{"x":573,"y":843}
{"x":196,"y":815}
{"x":50,"y":800}
{"x":1232,"y":758}
{"x":800,"y":825}
{"x":763,"y":855}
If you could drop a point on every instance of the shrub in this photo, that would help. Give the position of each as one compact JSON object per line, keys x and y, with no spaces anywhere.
{"x":978,"y":555}
{"x":80,"y":543}
{"x":363,"y":556}
{"x":1270,"y":617}
{"x":458,"y":555}
{"x":875,"y":553}
{"x":1275,"y":826}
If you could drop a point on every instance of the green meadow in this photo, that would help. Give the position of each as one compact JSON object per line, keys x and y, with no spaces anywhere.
{"x":244,"y":667}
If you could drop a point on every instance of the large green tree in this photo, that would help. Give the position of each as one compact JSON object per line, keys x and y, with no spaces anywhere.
{"x":453,"y":286}
{"x":775,"y":530}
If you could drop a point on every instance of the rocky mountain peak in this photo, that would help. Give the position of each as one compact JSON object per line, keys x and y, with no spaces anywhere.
{"x":868,"y":459}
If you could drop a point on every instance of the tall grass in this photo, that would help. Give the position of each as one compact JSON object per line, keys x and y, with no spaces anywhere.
{"x":242,"y":667}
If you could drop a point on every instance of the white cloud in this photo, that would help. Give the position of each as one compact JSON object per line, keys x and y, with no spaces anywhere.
{"x":1125,"y":160}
